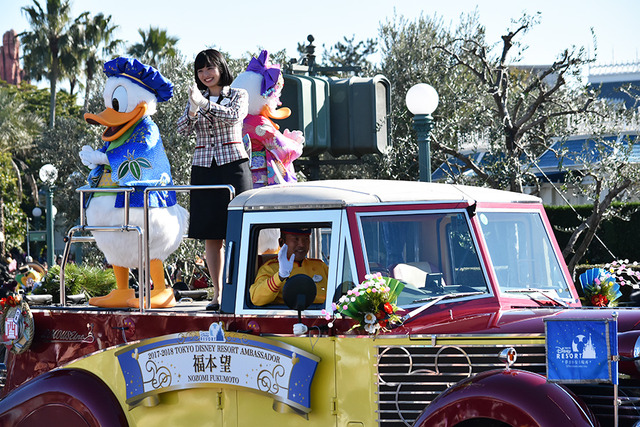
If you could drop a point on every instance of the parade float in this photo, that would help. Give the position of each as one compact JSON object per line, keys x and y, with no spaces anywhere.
{"x":445,"y":305}
{"x":467,"y":280}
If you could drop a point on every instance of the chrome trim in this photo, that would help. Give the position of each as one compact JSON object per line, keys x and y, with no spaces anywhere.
{"x":410,"y":377}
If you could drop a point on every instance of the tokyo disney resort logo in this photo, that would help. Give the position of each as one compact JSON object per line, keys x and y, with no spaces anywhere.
{"x":581,"y":351}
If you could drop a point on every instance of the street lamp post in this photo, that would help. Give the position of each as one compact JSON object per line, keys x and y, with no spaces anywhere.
{"x":48,"y":175}
{"x":422,"y":100}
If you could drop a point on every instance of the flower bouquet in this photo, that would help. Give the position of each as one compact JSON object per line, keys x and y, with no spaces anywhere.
{"x":600,"y":287}
{"x":371,"y":303}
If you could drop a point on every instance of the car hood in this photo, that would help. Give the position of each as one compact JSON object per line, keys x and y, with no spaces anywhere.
{"x":512,"y":321}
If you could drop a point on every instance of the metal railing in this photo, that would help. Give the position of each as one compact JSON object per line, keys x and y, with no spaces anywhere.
{"x":144,"y":263}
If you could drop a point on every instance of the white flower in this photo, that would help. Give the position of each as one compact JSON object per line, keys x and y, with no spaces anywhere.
{"x":370,"y":318}
{"x":371,"y":328}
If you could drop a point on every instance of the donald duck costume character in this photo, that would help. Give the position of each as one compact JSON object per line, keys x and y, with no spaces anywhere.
{"x":133,"y":156}
{"x":272,"y":151}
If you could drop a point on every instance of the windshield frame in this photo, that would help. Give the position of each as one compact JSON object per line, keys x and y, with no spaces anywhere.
{"x":538,"y":210}
{"x":444,"y":211}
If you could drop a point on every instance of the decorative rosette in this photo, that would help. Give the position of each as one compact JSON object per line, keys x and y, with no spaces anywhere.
{"x":16,"y":324}
{"x":371,"y":303}
{"x":600,"y":288}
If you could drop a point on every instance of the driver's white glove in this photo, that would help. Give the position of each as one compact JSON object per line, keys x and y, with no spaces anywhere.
{"x":300,"y":329}
{"x":92,"y":158}
{"x":286,"y":265}
{"x":196,"y":100}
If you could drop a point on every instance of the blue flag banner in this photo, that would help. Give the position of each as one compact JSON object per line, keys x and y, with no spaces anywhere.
{"x":582,"y":351}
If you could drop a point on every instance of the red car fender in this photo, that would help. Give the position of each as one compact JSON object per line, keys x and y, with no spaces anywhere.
{"x":513,"y":397}
{"x":64,"y":397}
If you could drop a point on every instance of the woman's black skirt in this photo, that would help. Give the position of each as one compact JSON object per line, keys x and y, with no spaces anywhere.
{"x":208,"y":208}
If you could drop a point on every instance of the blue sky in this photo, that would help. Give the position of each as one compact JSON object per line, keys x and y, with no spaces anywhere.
{"x":240,"y":26}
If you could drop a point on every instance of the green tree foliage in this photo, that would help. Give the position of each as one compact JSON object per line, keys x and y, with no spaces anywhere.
{"x":36,"y":100}
{"x":487,"y":102}
{"x":48,"y":47}
{"x":12,"y":219}
{"x":60,"y":147}
{"x":23,"y":113}
{"x":407,"y":59}
{"x":347,"y":53}
{"x":95,"y":43}
{"x":607,"y":174}
{"x":524,"y":105}
{"x":18,"y":124}
{"x":156,"y":46}
{"x":18,"y":128}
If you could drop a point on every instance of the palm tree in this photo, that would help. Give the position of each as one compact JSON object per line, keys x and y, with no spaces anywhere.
{"x":71,"y":61}
{"x":155,"y":44}
{"x":47,"y":46}
{"x":97,"y":42}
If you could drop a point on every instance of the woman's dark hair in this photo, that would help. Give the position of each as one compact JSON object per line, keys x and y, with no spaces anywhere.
{"x":212,"y":58}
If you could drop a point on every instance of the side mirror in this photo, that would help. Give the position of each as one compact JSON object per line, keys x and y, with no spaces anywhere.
{"x":299,"y":292}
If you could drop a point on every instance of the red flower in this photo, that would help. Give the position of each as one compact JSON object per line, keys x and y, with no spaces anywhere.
{"x":388,"y":308}
{"x":383,"y":323}
{"x":599,"y":300}
{"x":380,"y":315}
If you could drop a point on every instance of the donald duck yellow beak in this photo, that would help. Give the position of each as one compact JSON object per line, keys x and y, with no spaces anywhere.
{"x":117,"y":123}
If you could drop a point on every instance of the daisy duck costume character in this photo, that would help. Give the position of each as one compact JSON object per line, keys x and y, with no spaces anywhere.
{"x":272,"y":151}
{"x":133,"y":156}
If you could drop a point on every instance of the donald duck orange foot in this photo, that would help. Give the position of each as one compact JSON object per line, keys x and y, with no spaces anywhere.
{"x":118,"y":297}
{"x":123,"y":296}
{"x":161,"y":296}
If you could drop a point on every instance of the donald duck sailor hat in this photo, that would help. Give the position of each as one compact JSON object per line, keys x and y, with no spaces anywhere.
{"x":143,"y":75}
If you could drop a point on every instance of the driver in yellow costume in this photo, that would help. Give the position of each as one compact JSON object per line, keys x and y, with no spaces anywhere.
{"x":292,"y":259}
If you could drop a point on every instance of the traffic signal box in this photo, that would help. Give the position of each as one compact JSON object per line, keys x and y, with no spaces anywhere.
{"x":341,"y":116}
{"x":308,"y":99}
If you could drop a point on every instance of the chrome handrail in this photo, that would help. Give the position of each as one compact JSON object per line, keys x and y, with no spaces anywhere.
{"x":144,"y":263}
{"x":83,"y":227}
{"x":145,"y":284}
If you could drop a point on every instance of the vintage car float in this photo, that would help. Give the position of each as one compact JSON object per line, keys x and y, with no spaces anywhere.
{"x":482,"y":274}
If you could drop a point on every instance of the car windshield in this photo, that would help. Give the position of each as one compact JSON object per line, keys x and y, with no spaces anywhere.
{"x":434,"y":254}
{"x":522,"y":254}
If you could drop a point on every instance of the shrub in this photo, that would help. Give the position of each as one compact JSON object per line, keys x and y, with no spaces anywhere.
{"x":94,"y":281}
